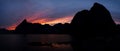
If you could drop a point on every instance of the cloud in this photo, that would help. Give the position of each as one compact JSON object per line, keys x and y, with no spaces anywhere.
{"x":12,"y":27}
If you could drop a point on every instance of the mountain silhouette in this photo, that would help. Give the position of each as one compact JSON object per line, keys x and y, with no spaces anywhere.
{"x":101,"y":18}
{"x":24,"y":27}
{"x":35,"y":28}
{"x":97,"y":19}
{"x":90,"y":29}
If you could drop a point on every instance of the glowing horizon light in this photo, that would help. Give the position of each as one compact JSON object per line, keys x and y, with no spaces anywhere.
{"x":12,"y":27}
{"x":66,"y":19}
{"x":63,"y":20}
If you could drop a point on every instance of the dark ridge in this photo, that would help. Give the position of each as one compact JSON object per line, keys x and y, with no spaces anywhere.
{"x":79,"y":23}
{"x":24,"y":21}
{"x":34,"y":28}
{"x":101,"y":18}
{"x":94,"y":29}
{"x":78,"y":18}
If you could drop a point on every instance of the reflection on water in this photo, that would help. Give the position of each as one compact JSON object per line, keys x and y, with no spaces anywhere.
{"x":48,"y":38}
{"x":49,"y":42}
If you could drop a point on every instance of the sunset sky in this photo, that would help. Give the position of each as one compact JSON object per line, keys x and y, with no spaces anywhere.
{"x":12,"y":12}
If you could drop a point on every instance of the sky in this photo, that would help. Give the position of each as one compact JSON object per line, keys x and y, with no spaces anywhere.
{"x":13,"y":12}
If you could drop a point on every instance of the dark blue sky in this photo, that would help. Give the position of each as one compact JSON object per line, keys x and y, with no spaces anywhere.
{"x":14,"y":11}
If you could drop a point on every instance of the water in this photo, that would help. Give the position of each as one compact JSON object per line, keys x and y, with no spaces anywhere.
{"x":12,"y":42}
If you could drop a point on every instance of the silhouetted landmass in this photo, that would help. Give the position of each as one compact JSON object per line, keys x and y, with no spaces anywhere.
{"x":94,"y":30}
{"x":35,"y":28}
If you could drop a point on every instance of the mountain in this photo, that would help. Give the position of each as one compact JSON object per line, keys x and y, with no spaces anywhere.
{"x":27,"y":28}
{"x":101,"y":19}
{"x":23,"y":27}
{"x":93,"y":29}
{"x":97,"y":19}
{"x":35,"y":28}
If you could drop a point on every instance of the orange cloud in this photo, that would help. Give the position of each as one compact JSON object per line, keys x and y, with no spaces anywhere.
{"x":12,"y":27}
{"x":66,"y":19}
{"x":39,"y":21}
